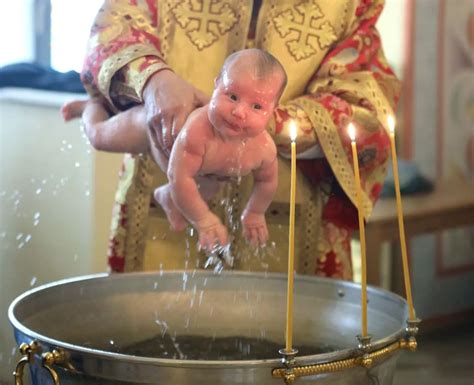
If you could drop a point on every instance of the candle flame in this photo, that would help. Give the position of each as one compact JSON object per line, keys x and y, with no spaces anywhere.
{"x":352,"y":131}
{"x":391,"y":123}
{"x":293,"y":131}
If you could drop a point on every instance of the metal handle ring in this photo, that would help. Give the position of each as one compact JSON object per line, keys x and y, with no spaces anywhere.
{"x":27,"y":351}
{"x":48,"y":360}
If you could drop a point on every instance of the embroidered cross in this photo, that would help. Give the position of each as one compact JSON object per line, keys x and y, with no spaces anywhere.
{"x":204,"y":21}
{"x":304,"y":21}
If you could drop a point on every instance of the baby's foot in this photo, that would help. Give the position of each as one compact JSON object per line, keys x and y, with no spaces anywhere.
{"x":175,"y":218}
{"x":73,"y":110}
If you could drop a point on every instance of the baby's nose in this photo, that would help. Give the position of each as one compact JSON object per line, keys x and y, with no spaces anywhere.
{"x":239,"y":111}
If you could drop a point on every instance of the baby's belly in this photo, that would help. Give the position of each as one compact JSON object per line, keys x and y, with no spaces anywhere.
{"x":225,"y":175}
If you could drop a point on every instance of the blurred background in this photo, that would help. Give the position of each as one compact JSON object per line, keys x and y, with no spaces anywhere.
{"x":56,"y":193}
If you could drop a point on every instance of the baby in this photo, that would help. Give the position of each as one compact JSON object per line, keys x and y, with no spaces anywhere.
{"x":226,"y":138}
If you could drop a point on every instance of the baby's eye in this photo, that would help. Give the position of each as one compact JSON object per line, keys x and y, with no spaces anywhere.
{"x":256,"y":106}
{"x":233,"y":97}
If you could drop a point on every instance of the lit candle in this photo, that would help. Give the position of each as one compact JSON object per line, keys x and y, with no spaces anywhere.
{"x":291,"y":240}
{"x":360,"y":210}
{"x":401,"y":226}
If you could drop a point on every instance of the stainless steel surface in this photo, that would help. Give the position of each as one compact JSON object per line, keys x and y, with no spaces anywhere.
{"x":101,"y":311}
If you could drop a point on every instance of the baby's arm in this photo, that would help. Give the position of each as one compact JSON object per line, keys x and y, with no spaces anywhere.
{"x":185,"y":162}
{"x":125,"y":132}
{"x":265,"y":185}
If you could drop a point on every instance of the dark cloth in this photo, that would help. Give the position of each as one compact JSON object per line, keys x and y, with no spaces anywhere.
{"x":30,"y":75}
{"x":412,"y":181}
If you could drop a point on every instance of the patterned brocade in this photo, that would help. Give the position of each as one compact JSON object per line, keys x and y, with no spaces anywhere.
{"x":336,"y":70}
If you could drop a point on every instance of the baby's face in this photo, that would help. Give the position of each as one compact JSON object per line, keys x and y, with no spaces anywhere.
{"x":242,"y":104}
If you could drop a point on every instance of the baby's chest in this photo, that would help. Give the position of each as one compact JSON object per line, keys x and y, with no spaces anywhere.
{"x":230,"y":160}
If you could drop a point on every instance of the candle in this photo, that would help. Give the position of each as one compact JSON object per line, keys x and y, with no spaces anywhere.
{"x":291,"y":240}
{"x":360,"y":210}
{"x":401,"y":226}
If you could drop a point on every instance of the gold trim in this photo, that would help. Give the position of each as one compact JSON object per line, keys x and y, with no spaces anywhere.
{"x":365,"y":360}
{"x":331,"y":143}
{"x":119,"y":59}
{"x":145,"y":75}
{"x":357,"y":86}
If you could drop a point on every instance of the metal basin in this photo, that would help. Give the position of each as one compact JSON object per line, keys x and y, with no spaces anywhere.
{"x":88,"y":321}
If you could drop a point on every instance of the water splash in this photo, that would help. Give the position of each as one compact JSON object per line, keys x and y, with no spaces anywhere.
{"x":36,"y":219}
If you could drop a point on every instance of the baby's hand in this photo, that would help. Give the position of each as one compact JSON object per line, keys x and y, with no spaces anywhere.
{"x":254,"y":228}
{"x":211,"y":232}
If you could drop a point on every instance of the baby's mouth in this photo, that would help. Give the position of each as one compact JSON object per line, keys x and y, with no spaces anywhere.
{"x":233,"y":126}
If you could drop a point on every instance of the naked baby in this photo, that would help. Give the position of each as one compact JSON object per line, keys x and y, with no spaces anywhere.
{"x":225,"y":138}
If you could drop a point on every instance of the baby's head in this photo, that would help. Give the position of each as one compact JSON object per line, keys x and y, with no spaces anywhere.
{"x":246,"y":92}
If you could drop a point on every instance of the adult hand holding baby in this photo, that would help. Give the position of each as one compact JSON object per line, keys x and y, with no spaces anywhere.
{"x":168,"y":100}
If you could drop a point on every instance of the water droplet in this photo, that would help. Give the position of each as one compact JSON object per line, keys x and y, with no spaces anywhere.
{"x":19,"y":236}
{"x":28,"y":238}
{"x":43,"y":181}
{"x":185,"y":280}
{"x":13,"y":350}
{"x":37,"y":215}
{"x":155,"y":286}
{"x":77,"y":164}
{"x":69,"y":146}
{"x":38,"y":191}
{"x":112,"y":342}
{"x":33,"y":281}
{"x":88,"y":193}
{"x":21,"y":245}
{"x":75,"y":257}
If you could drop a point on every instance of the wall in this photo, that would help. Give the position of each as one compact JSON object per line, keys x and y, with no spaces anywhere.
{"x":55,"y":202}
{"x":438,"y":137}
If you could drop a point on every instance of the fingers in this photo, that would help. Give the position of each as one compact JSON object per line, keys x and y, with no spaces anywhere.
{"x":178,"y":123}
{"x":253,"y":237}
{"x":166,"y":128}
{"x":262,"y":233}
{"x":200,"y":98}
{"x":216,"y":235}
{"x":256,"y":235}
{"x":155,"y":127}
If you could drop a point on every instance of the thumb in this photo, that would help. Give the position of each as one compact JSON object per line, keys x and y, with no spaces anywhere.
{"x":200,"y":98}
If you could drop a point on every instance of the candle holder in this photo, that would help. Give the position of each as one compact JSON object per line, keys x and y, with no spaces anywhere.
{"x":411,"y":332}
{"x":289,"y":361}
{"x":365,"y":345}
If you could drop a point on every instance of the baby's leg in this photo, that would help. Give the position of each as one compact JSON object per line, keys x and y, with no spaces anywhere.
{"x":163,"y":196}
{"x":208,"y":187}
{"x":124,"y":132}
